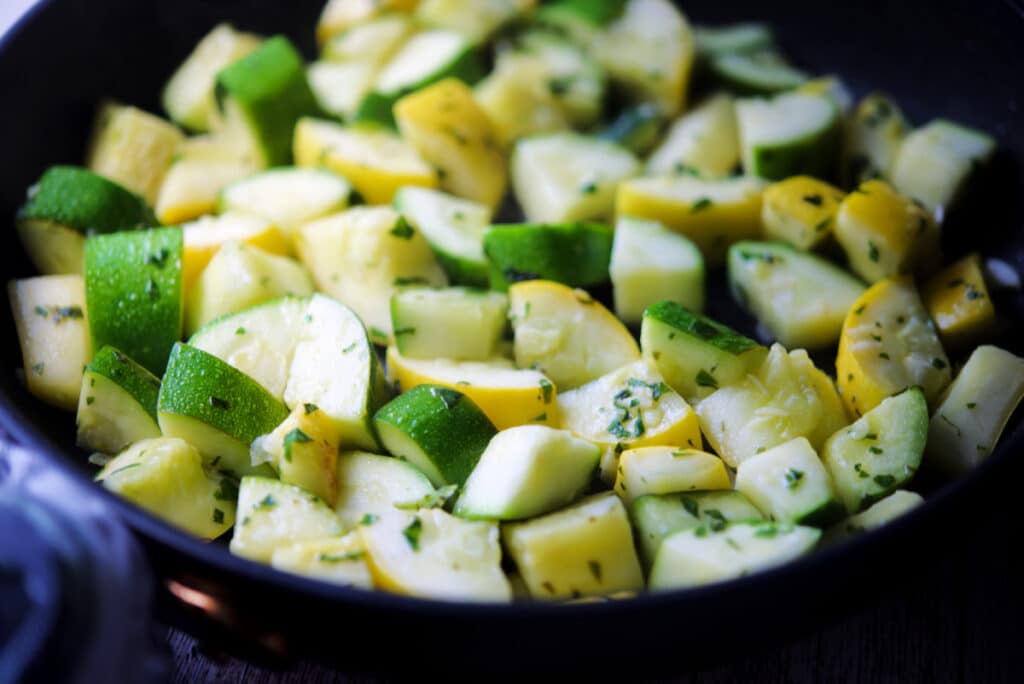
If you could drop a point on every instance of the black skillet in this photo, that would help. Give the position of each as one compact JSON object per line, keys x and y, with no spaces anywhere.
{"x":961,"y":60}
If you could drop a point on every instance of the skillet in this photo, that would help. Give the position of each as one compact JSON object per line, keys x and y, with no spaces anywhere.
{"x":941,"y":58}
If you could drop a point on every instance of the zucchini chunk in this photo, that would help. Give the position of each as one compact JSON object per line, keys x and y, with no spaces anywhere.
{"x":188,"y":98}
{"x":958,"y":302}
{"x":801,"y":298}
{"x":341,"y":16}
{"x":439,"y":430}
{"x":970,"y":418}
{"x":880,"y":513}
{"x":888,"y":343}
{"x":50,"y":316}
{"x":788,"y":483}
{"x":133,"y":148}
{"x":508,"y":396}
{"x":711,"y":213}
{"x":456,"y":323}
{"x":657,"y":516}
{"x":453,"y":227}
{"x":787,"y":397}
{"x":432,"y":554}
{"x":758,"y":72}
{"x":880,"y":452}
{"x":340,"y":87}
{"x":695,"y":354}
{"x":272,"y":515}
{"x":566,"y":334}
{"x":338,"y":560}
{"x":666,"y":469}
{"x":574,"y":254}
{"x":376,"y":161}
{"x":205,"y":236}
{"x":873,"y":138}
{"x":263,"y":95}
{"x":705,"y":555}
{"x":583,"y":550}
{"x":651,"y":263}
{"x":801,"y":211}
{"x":117,"y":404}
{"x":885,"y":234}
{"x":565,"y":177}
{"x":790,"y":134}
{"x":216,"y":408}
{"x":705,"y":140}
{"x":165,"y":476}
{"x":65,"y":205}
{"x":370,"y":486}
{"x":288,"y":197}
{"x":527,"y":471}
{"x":365,"y":255}
{"x":134,"y":293}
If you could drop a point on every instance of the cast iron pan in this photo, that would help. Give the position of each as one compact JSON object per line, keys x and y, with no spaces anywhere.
{"x":939,"y":58}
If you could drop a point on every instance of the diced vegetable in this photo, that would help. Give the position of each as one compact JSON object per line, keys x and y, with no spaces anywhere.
{"x":370,"y":486}
{"x":117,"y":404}
{"x":338,"y":560}
{"x":340,"y":87}
{"x":705,"y":140}
{"x":801,"y":211}
{"x":518,"y":99}
{"x":880,"y":513}
{"x":477,"y":20}
{"x":958,"y":302}
{"x":791,"y":134}
{"x":339,"y":16}
{"x":303,"y":450}
{"x":667,"y":469}
{"x":873,"y":139}
{"x":205,"y":236}
{"x":574,"y":254}
{"x":373,"y":41}
{"x":456,"y":323}
{"x":288,"y":197}
{"x":759,"y":72}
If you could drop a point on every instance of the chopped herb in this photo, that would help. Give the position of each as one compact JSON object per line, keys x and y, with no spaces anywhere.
{"x":657,"y":388}
{"x":685,"y":170}
{"x":690,"y":505}
{"x":340,"y":557}
{"x":822,"y":225}
{"x":218,"y":516}
{"x":732,"y":542}
{"x":767,"y":531}
{"x":378,"y":333}
{"x":548,"y":587}
{"x":291,"y":438}
{"x":414,"y":280}
{"x":860,"y":309}
{"x":814,"y":200}
{"x":228,"y":490}
{"x":980,"y":448}
{"x":971,"y":405}
{"x":700,"y":205}
{"x":218,"y":403}
{"x":435,"y":499}
{"x":159,"y":258}
{"x":41,"y":311}
{"x":701,"y":531}
{"x":39,"y":368}
{"x":62,"y":312}
{"x":876,"y":450}
{"x":588,"y":188}
{"x":870,"y":435}
{"x":705,"y":379}
{"x":405,"y":331}
{"x":463,"y":383}
{"x":873,"y":251}
{"x":938,"y":364}
{"x":265,"y":282}
{"x":595,"y":570}
{"x":546,"y":388}
{"x":310,"y":408}
{"x":717,"y":520}
{"x":349,"y":348}
{"x":89,"y":401}
{"x":972,"y":293}
{"x":368,"y":519}
{"x":861,"y":473}
{"x":240,"y":331}
{"x":267,"y":502}
{"x":883,"y":355}
{"x":956,"y":282}
{"x":308,"y":318}
{"x":402,"y":229}
{"x":884,"y":480}
{"x":412,"y":533}
{"x":793,"y":478}
{"x":876,"y":338}
{"x":540,"y":418}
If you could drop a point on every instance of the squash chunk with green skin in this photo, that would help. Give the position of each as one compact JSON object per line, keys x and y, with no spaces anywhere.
{"x":338,"y":560}
{"x":695,"y":354}
{"x":575,"y":254}
{"x":880,"y":513}
{"x":885,"y":234}
{"x":668,"y":469}
{"x":438,"y":430}
{"x":53,"y":332}
{"x":788,"y":483}
{"x":371,"y":487}
{"x":240,"y":276}
{"x":566,"y":334}
{"x":64,"y":206}
{"x":454,"y":323}
{"x":704,"y":555}
{"x":303,"y":450}
{"x":433,"y":554}
{"x":217,"y":408}
{"x":117,"y":405}
{"x":264,"y":94}
{"x":787,"y":397}
{"x":272,"y":515}
{"x":583,"y":550}
{"x":166,"y":477}
{"x":967,"y":424}
{"x":134,"y":293}
{"x":793,"y":133}
{"x":880,"y":452}
{"x":527,"y":471}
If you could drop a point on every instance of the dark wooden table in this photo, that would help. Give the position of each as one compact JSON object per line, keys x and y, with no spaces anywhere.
{"x":963,"y":621}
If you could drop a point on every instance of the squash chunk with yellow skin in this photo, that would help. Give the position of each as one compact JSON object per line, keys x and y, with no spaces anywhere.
{"x":450,"y":130}
{"x":666,"y":470}
{"x":205,"y":236}
{"x":339,"y":15}
{"x":800,"y":210}
{"x":304,"y":451}
{"x":959,"y":303}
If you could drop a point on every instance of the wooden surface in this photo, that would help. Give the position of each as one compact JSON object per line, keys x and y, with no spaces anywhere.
{"x":962,"y":622}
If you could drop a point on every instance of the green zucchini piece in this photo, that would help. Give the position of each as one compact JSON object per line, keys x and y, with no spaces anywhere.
{"x":703,"y":555}
{"x":454,"y":228}
{"x":263,"y":95}
{"x":595,"y":12}
{"x":134,"y":294}
{"x":574,"y":80}
{"x":789,"y":135}
{"x":65,"y":205}
{"x":166,"y":477}
{"x":880,"y":513}
{"x":651,"y":263}
{"x":576,"y":254}
{"x":695,"y":354}
{"x":340,"y":87}
{"x":438,"y":430}
{"x":454,"y":323}
{"x":527,"y":471}
{"x":763,"y":72}
{"x":880,"y":452}
{"x":370,"y":486}
{"x":117,"y":406}
{"x":800,"y":298}
{"x":743,"y":38}
{"x":217,"y":408}
{"x":657,"y":516}
{"x":788,"y":483}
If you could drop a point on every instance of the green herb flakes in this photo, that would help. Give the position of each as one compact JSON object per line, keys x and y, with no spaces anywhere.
{"x":412,"y":533}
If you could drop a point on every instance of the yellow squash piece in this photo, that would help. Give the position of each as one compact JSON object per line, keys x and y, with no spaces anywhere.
{"x":432,"y":554}
{"x":206,"y":235}
{"x":886,"y":234}
{"x":338,"y":560}
{"x":959,"y":303}
{"x":133,"y":148}
{"x":339,"y":15}
{"x":888,"y":343}
{"x":666,"y":469}
{"x":450,"y":131}
{"x":304,"y":451}
{"x":583,"y":550}
{"x":507,"y":395}
{"x":566,"y":334}
{"x":800,"y":210}
{"x":712,"y":213}
{"x":376,"y":161}
{"x":704,"y":140}
{"x":518,"y":100}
